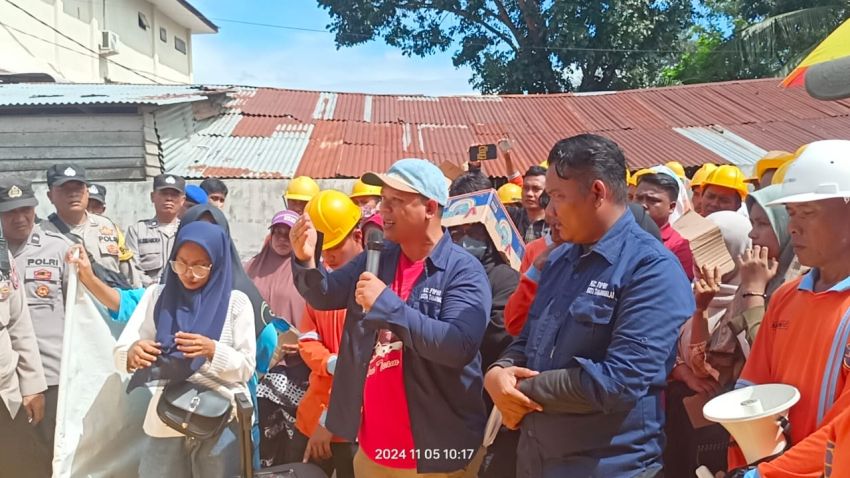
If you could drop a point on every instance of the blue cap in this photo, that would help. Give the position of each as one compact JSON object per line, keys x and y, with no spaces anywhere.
{"x":195,"y":194}
{"x":413,"y":176}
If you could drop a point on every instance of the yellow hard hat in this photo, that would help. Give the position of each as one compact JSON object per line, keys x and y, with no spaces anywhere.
{"x":544,"y":164}
{"x":728,"y":176}
{"x":362,"y":189}
{"x":636,"y":176}
{"x":629,"y":178}
{"x":779,"y":175}
{"x":302,"y":188}
{"x":677,"y":168}
{"x":702,"y":174}
{"x":800,"y":151}
{"x":771,"y":160}
{"x":510,"y":193}
{"x":333,"y":214}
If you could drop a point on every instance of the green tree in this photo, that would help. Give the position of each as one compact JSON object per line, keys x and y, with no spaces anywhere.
{"x":527,"y":46}
{"x":768,"y":38}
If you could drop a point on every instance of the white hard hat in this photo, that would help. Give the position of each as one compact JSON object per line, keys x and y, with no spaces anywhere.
{"x":821,"y":172}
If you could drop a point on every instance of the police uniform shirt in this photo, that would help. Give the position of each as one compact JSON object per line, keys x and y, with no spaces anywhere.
{"x":41,"y":264}
{"x":100,"y":238}
{"x":21,"y":373}
{"x":151,"y":243}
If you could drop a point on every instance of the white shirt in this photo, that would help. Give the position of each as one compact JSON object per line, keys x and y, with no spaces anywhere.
{"x":230,"y":369}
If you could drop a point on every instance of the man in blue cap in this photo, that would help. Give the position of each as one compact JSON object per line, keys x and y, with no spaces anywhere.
{"x":408,"y":381}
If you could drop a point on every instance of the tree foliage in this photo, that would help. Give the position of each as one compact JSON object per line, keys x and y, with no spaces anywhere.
{"x":769,"y":38}
{"x":528,"y":46}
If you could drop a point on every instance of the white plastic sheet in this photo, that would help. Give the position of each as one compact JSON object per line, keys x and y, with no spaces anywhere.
{"x":99,"y":426}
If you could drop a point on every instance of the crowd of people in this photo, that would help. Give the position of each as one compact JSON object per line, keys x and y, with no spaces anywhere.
{"x":375,"y":342}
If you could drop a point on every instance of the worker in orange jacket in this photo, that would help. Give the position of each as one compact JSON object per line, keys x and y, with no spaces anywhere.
{"x":804,"y":339}
{"x":338,"y":218}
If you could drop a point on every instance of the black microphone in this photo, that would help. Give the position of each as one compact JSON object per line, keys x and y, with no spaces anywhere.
{"x":374,"y":246}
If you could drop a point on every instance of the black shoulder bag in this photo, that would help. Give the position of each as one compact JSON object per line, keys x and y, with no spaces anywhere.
{"x":193,"y":409}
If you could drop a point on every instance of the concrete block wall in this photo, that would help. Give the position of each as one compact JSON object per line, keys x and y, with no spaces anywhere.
{"x":250,"y":205}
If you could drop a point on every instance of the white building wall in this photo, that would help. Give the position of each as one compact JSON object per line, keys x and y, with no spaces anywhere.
{"x":28,"y":46}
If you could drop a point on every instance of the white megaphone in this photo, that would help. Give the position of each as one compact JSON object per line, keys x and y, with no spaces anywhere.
{"x":752,"y":414}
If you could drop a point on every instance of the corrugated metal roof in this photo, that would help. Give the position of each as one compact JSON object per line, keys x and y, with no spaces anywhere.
{"x":646,"y":148}
{"x":261,"y":158}
{"x":268,"y":132}
{"x":789,"y":135}
{"x":726,"y":144}
{"x":52,"y":94}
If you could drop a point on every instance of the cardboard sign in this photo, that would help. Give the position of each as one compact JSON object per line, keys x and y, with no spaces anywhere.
{"x":707,"y":243}
{"x":483,"y":152}
{"x":450,"y":170}
{"x":484,"y":207}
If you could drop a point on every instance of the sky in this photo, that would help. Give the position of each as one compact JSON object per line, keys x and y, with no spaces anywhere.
{"x":261,"y":56}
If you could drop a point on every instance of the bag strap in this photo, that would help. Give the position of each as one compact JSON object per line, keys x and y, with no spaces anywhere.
{"x":5,"y":264}
{"x":111,"y":278}
{"x":63,"y":228}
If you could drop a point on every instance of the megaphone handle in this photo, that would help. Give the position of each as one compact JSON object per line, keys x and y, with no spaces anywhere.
{"x":703,"y":472}
{"x":785,"y":425}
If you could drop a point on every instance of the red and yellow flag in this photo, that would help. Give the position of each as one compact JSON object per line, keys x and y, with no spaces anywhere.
{"x":836,"y":45}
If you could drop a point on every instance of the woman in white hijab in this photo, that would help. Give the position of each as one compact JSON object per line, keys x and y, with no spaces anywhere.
{"x":714,"y":296}
{"x":691,"y":375}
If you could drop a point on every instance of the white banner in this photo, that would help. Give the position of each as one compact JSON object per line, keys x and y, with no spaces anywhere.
{"x":98,"y":425}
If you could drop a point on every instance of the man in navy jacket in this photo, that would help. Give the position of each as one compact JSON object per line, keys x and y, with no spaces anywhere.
{"x":583,"y":382}
{"x":408,"y":380}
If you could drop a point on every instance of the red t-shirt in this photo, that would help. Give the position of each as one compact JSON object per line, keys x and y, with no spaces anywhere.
{"x":385,"y":433}
{"x":680,"y":247}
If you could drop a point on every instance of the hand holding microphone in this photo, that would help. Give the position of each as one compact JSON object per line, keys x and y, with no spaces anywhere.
{"x":369,"y":287}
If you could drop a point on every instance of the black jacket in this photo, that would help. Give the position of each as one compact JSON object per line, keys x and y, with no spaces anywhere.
{"x":503,"y":282}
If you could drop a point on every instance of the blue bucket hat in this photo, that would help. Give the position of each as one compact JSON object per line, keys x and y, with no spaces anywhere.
{"x":413,"y":176}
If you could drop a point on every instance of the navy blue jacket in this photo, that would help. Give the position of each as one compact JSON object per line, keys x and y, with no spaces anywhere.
{"x":441,"y":326}
{"x":602,"y":330}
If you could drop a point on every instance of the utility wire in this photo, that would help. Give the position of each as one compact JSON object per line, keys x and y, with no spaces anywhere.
{"x":10,"y":2}
{"x":86,"y":54}
{"x":547,"y":48}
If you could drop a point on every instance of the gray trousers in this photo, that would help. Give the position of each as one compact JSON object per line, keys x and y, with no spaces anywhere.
{"x":218,"y":457}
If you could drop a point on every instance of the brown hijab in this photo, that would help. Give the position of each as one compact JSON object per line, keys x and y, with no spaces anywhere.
{"x":272,"y":275}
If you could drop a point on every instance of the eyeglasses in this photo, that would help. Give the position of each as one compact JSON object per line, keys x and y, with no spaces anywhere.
{"x":543,"y":200}
{"x":198,"y":271}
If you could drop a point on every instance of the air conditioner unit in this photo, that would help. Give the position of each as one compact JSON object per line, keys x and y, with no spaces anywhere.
{"x":108,"y":43}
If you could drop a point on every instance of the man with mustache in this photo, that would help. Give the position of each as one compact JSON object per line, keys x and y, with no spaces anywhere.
{"x":151,"y":239}
{"x":68,"y":191}
{"x":39,"y":261}
{"x":804,"y":339}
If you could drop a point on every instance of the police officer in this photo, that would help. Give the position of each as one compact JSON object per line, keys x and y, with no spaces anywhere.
{"x":97,"y":199}
{"x":39,"y":257}
{"x":68,"y":191}
{"x":21,"y":390}
{"x":151,"y":240}
{"x":97,"y":205}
